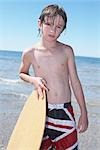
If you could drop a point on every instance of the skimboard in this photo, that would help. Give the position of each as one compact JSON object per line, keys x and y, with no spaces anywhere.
{"x":29,"y":129}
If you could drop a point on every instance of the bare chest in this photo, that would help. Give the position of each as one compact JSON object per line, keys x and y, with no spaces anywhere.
{"x":50,"y":62}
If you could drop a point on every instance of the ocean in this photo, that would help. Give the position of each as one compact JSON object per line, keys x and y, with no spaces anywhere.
{"x":14,"y":92}
{"x":10,"y":84}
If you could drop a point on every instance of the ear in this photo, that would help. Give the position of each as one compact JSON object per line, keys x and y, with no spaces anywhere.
{"x":39,"y":24}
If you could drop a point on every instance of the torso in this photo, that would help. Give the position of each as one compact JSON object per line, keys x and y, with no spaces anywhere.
{"x":52,"y":66}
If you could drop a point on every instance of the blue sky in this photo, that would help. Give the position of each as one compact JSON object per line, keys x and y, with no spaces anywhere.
{"x":19,"y":28}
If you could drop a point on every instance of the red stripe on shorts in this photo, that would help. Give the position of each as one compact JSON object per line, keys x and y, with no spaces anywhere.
{"x":67,"y":141}
{"x":59,"y":126}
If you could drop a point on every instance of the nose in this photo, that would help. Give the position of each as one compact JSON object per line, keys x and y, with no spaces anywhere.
{"x":53,"y":29}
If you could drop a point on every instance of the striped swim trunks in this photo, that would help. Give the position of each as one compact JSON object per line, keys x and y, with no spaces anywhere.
{"x":60,"y":131}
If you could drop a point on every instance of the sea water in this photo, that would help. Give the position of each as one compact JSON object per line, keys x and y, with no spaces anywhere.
{"x":10,"y":84}
{"x":14,"y":92}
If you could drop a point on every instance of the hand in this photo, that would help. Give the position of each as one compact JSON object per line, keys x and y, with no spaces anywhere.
{"x":83,"y":123}
{"x":40,"y":85}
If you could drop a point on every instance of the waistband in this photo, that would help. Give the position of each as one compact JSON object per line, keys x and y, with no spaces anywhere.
{"x":59,"y":106}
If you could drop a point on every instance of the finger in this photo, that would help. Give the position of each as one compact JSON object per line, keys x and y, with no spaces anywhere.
{"x":45,"y":84}
{"x":40,"y":93}
{"x":80,"y":129}
{"x":43,"y":87}
{"x":83,"y":129}
{"x":44,"y":81}
{"x":79,"y":126}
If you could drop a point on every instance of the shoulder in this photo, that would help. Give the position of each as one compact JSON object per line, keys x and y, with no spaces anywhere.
{"x":68,"y":50}
{"x":28,"y":55}
{"x":65,"y":47}
{"x":28,"y":52}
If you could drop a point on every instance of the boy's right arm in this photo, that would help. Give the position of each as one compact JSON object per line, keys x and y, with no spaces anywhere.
{"x":38,"y":82}
{"x":24,"y":67}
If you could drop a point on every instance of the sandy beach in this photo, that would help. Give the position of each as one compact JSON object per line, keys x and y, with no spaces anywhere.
{"x":90,"y":140}
{"x":75,"y":34}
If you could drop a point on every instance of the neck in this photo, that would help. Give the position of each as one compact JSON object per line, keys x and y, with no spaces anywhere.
{"x":48,"y":45}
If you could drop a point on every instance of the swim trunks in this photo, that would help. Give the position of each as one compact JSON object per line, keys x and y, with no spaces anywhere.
{"x":60,"y":131}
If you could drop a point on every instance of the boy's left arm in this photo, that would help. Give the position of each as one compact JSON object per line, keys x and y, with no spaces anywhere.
{"x":78,"y":92}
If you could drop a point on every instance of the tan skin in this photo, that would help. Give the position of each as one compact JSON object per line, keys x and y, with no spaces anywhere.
{"x":54,"y":65}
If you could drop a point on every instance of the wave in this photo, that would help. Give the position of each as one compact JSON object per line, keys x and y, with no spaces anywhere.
{"x":13,"y":94}
{"x":10,"y":81}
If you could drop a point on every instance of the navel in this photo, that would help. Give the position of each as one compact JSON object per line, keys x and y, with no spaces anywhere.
{"x":38,"y":67}
{"x":62,"y":65}
{"x":56,"y":94}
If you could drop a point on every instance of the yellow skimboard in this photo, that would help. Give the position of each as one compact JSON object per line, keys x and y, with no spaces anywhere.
{"x":29,"y":129}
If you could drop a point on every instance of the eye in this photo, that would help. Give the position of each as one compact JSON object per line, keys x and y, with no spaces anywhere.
{"x":48,"y":24}
{"x":59,"y":27}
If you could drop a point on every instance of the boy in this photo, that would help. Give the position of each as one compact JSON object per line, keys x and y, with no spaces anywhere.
{"x":54,"y":67}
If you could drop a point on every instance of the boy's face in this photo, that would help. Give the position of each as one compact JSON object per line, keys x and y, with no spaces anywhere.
{"x":51,"y":28}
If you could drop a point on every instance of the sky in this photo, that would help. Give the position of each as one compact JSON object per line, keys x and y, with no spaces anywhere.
{"x":19,"y":24}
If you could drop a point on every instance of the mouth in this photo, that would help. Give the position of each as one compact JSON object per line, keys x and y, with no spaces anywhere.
{"x":52,"y":36}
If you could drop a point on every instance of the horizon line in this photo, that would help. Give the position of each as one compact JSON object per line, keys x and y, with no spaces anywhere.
{"x":75,"y":55}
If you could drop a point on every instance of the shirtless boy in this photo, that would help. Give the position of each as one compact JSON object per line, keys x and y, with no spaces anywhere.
{"x":55,"y":71}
